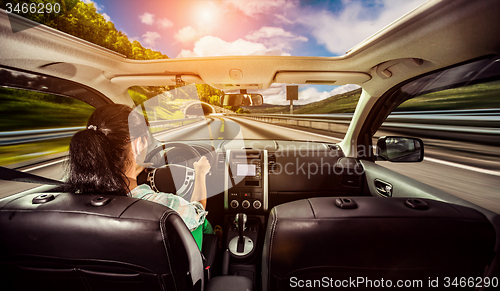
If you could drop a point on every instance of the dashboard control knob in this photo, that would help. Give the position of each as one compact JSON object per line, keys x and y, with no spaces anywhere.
{"x":245,"y":204}
{"x":257,"y":204}
{"x":234,"y":204}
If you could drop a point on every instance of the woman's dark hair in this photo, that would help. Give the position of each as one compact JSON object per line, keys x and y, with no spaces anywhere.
{"x":99,"y":154}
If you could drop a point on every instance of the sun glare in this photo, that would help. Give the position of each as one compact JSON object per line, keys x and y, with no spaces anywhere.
{"x":206,"y":13}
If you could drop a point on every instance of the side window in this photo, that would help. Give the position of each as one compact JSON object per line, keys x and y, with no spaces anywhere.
{"x":35,"y":131}
{"x":456,"y":112}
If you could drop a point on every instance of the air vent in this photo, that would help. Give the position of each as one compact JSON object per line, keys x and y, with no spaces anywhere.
{"x":221,"y":159}
{"x":271,"y":159}
{"x":383,"y":188}
{"x":350,"y":181}
{"x":333,"y":147}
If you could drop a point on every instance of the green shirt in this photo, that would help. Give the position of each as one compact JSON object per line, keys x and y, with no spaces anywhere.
{"x":193,"y":213}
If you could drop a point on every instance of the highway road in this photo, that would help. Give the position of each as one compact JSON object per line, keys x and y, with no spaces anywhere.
{"x":466,"y":170}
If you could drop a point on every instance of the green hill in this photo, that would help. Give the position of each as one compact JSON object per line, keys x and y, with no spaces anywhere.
{"x":341,"y":103}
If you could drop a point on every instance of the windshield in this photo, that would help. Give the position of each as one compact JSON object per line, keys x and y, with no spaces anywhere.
{"x":194,"y":112}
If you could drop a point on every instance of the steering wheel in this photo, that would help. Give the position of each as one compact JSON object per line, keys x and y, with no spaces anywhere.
{"x":172,"y":178}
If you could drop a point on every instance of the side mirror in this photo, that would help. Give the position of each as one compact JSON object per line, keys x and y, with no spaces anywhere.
{"x":400,"y":149}
{"x":247,"y":100}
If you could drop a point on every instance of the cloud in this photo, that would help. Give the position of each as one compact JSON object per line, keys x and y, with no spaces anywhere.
{"x":106,"y":16}
{"x":265,"y":41}
{"x":272,"y":32}
{"x":214,"y":46}
{"x":276,"y":93}
{"x":253,"y":7}
{"x":278,"y":18}
{"x":164,"y":23}
{"x":97,"y":6}
{"x":147,"y":18}
{"x":187,"y":35}
{"x":275,"y":38}
{"x":339,"y":31}
{"x":150,"y":38}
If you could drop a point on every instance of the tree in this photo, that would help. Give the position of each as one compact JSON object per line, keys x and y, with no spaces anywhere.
{"x":83,"y":21}
{"x":209,"y":94}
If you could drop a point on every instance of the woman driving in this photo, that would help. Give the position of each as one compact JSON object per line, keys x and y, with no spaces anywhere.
{"x":107,"y":156}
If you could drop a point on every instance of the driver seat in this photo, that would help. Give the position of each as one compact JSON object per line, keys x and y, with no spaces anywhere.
{"x":64,"y":241}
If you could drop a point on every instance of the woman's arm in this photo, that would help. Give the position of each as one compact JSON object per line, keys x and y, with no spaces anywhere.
{"x":201,"y":168}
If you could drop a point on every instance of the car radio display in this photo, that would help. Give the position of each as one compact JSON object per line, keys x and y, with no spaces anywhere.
{"x":245,"y":170}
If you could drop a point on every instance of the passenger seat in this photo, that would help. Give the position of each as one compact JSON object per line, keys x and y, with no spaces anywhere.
{"x":326,"y":241}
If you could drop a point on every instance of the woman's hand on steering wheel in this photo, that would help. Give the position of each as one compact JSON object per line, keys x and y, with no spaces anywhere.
{"x":202,"y":166}
{"x":181,"y":176}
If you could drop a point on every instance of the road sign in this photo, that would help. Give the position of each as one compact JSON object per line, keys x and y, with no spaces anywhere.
{"x":292,"y":92}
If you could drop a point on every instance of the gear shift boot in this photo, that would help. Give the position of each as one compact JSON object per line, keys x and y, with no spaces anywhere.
{"x":247,"y":246}
{"x":240,"y":245}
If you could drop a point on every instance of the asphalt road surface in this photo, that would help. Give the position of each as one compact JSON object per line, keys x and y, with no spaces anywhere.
{"x":468,"y":171}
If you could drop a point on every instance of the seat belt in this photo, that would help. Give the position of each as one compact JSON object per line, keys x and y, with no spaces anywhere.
{"x":18,"y":176}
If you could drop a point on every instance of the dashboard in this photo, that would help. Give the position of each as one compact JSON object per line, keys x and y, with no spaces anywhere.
{"x":253,"y":176}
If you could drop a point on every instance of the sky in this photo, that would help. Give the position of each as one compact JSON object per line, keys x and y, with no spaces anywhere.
{"x":200,"y":28}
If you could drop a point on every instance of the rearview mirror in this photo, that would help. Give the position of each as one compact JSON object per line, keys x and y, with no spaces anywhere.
{"x":248,"y":100}
{"x":400,"y":149}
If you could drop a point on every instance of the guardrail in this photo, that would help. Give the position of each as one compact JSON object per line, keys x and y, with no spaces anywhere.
{"x":163,"y":125}
{"x":29,"y":136}
{"x":484,"y":122}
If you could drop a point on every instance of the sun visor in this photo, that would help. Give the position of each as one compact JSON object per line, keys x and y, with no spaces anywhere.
{"x":163,"y":80}
{"x":322,"y":78}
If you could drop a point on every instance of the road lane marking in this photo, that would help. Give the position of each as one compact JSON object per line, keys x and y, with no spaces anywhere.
{"x":210,"y":130}
{"x":209,"y":124}
{"x":222,"y":126}
{"x":44,"y":165}
{"x":465,"y":167}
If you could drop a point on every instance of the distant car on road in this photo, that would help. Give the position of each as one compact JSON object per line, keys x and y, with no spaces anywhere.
{"x":217,"y":114}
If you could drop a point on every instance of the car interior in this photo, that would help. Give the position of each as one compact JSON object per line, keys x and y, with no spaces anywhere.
{"x":281,"y":227}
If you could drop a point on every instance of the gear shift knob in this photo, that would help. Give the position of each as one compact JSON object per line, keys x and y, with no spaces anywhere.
{"x":240,"y":220}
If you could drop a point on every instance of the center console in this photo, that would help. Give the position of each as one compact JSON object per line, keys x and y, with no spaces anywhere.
{"x":245,"y":203}
{"x":246,"y":181}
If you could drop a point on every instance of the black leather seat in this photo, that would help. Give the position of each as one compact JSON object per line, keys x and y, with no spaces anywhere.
{"x":381,"y":238}
{"x":72,"y":243}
